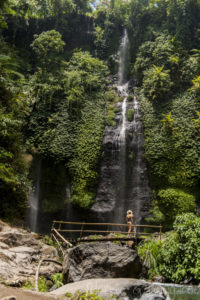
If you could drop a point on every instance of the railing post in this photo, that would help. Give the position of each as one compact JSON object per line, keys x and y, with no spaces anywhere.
{"x":135,"y":230}
{"x":108,"y":229}
{"x":82,"y":226}
{"x":52,"y":228}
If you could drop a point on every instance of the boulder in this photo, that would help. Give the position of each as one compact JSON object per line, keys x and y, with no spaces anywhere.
{"x":120,"y":288}
{"x":17,"y":237}
{"x":100,"y":260}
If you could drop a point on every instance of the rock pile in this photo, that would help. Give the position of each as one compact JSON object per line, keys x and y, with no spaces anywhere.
{"x":20,"y":252}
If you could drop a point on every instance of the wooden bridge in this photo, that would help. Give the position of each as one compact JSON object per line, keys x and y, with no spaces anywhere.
{"x":67,"y":234}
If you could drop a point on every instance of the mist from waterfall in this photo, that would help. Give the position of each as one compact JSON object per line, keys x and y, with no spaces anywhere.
{"x":34,"y":200}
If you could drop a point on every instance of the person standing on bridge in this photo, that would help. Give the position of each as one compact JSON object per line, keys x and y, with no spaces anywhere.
{"x":129,"y":220}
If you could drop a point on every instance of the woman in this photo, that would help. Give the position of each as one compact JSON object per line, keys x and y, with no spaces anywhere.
{"x":129,"y":219}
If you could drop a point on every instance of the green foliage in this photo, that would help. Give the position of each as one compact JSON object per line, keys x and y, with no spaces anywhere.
{"x":111,"y":96}
{"x":108,"y":30}
{"x":177,"y":257}
{"x":197,"y":122}
{"x":61,"y":7}
{"x":28,"y":285}
{"x":130,"y":114}
{"x":66,"y":123}
{"x":110,"y":117}
{"x":171,"y":145}
{"x":111,"y":99}
{"x":57,"y":279}
{"x":48,"y":46}
{"x":42,"y":284}
{"x":173,"y":202}
{"x":49,"y":241}
{"x":161,"y":52}
{"x":196,"y":87}
{"x":180,"y":258}
{"x":90,"y":295}
{"x":87,"y":150}
{"x":149,"y":252}
{"x":157,"y":84}
{"x":13,"y":180}
{"x":163,"y":35}
{"x":130,"y":98}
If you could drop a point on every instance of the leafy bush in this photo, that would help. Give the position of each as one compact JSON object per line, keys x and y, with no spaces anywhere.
{"x":57,"y":279}
{"x":90,"y":295}
{"x":130,"y":98}
{"x":42,"y":284}
{"x":174,"y":201}
{"x":110,"y":117}
{"x":157,"y":83}
{"x":48,"y":46}
{"x":130,"y":114}
{"x":179,"y":257}
{"x":111,"y":96}
{"x":149,"y":252}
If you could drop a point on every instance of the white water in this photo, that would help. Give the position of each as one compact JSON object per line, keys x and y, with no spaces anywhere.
{"x":34,"y":201}
{"x":123,"y":181}
{"x":136,"y":113}
{"x":122,"y":86}
{"x":122,"y":59}
{"x":134,"y":190}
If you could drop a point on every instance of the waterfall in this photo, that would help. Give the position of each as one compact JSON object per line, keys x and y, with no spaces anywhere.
{"x":123,"y":180}
{"x":34,"y":200}
{"x":123,"y":52}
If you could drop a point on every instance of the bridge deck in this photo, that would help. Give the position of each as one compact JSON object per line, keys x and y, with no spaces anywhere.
{"x":65,"y":235}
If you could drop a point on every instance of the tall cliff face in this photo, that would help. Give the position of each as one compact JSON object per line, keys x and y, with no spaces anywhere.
{"x":123,"y":181}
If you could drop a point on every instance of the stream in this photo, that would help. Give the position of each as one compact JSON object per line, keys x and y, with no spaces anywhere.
{"x":182,"y":292}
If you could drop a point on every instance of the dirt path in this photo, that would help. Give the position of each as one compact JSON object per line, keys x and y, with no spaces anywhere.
{"x":22,"y":294}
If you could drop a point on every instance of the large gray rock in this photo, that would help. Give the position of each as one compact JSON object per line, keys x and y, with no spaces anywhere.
{"x":120,"y":288}
{"x":100,"y":260}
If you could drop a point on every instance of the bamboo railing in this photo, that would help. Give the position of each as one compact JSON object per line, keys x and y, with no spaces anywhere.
{"x":80,"y":230}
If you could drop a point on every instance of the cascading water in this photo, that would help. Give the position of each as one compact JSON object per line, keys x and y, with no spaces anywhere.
{"x":123,"y":181}
{"x":34,"y":200}
{"x":123,"y":52}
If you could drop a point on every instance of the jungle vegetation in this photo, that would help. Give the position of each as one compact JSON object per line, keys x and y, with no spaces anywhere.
{"x":55,"y":98}
{"x":55,"y":101}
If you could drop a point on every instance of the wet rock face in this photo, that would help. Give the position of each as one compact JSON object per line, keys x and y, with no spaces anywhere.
{"x":101,"y":260}
{"x":123,"y":181}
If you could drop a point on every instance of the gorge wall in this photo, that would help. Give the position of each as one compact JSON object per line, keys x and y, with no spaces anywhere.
{"x":123,"y":181}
